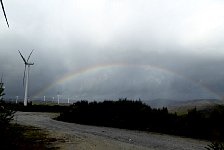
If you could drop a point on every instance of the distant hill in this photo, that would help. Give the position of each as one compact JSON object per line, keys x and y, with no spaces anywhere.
{"x":158,"y":103}
{"x":182,"y":107}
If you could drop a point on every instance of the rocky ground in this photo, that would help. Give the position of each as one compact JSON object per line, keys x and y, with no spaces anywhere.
{"x":71,"y":136}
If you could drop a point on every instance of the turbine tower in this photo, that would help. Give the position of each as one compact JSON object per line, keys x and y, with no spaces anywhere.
{"x":17,"y":97}
{"x":4,"y":13}
{"x":26,"y":75}
{"x":58,"y":98}
{"x":58,"y":95}
{"x":1,"y":87}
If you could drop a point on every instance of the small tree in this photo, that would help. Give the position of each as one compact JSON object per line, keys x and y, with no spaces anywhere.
{"x":215,"y":146}
{"x":6,"y":114}
{"x":1,"y":91}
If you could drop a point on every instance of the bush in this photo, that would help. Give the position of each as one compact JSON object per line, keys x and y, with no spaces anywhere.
{"x":6,"y":114}
{"x":215,"y":146}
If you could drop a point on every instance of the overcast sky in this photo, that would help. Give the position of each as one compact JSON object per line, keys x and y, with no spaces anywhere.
{"x":108,"y":49}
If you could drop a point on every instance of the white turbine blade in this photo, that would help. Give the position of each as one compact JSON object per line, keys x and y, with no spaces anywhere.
{"x":4,"y":13}
{"x":22,"y":57}
{"x":24,"y":75}
{"x":30,"y":55}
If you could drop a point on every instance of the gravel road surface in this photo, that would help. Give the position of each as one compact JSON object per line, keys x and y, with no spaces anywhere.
{"x":84,"y":137}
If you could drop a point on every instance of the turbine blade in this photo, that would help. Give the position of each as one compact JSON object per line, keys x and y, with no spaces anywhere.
{"x":24,"y":75}
{"x":22,"y":57}
{"x":4,"y":13}
{"x":29,"y":56}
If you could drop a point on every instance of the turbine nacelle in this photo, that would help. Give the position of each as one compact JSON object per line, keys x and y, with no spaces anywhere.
{"x":26,"y":61}
{"x":29,"y":64}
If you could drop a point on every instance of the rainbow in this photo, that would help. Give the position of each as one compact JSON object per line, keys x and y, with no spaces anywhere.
{"x":78,"y":72}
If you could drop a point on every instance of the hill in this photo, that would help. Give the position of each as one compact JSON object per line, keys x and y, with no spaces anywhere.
{"x":182,"y":107}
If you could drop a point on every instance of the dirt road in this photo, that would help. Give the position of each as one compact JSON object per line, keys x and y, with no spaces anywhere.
{"x":83,"y":137}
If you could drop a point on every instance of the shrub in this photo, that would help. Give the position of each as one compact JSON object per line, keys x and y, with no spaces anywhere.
{"x":6,"y":114}
{"x":215,"y":146}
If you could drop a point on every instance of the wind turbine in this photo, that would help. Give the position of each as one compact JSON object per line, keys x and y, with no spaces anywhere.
{"x":4,"y":13}
{"x":58,"y":95}
{"x":26,"y":75}
{"x":17,"y":97}
{"x":58,"y":98}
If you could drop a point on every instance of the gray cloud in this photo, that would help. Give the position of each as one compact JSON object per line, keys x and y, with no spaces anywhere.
{"x":169,"y":49}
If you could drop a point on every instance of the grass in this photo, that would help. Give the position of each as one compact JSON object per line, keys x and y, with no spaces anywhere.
{"x":25,"y":138}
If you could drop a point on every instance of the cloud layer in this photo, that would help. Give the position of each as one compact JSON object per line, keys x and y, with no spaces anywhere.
{"x":168,"y":49}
